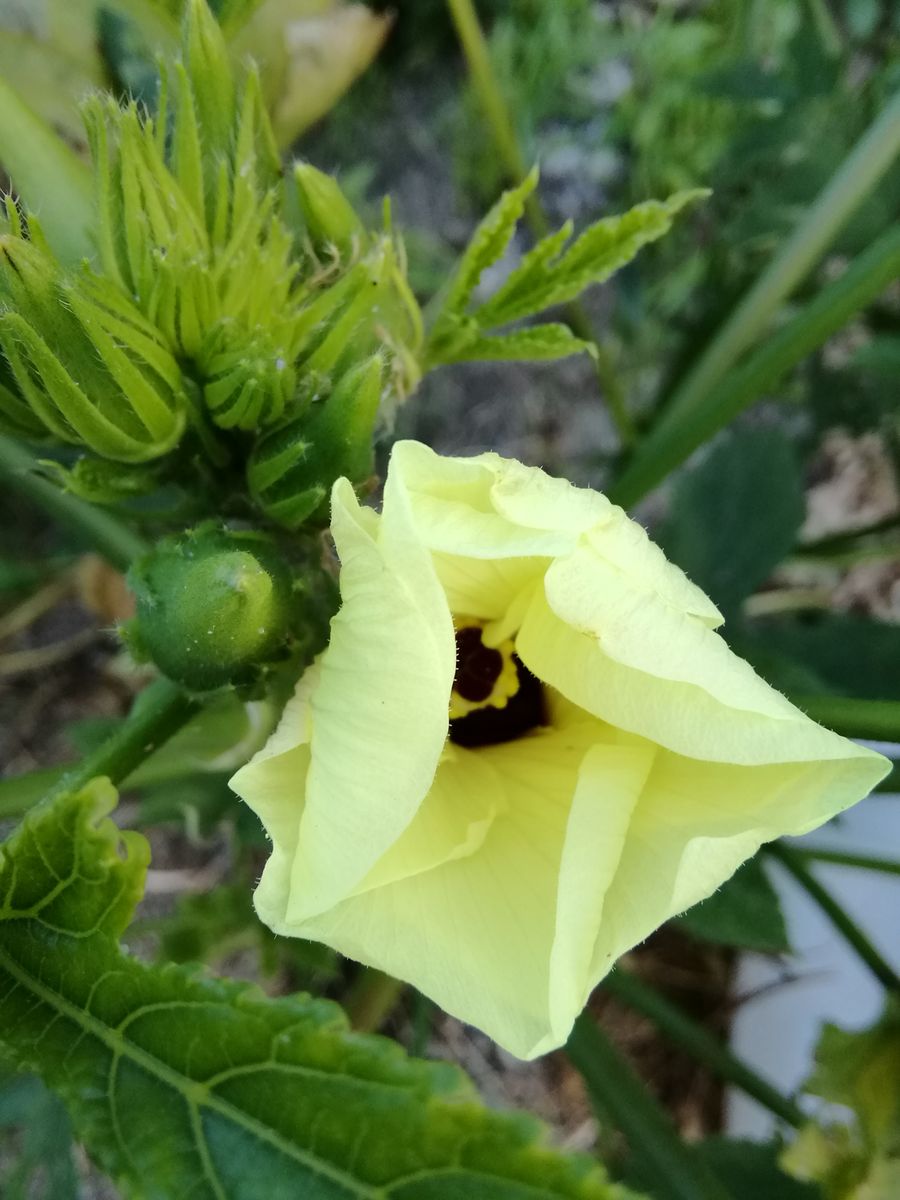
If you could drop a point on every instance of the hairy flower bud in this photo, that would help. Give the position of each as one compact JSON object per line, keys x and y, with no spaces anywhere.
{"x":292,"y":468}
{"x":92,"y":370}
{"x":331,"y":222}
{"x":213,"y":607}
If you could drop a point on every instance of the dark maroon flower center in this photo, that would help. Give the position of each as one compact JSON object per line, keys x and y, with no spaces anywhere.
{"x":478,"y":666}
{"x":478,"y":669}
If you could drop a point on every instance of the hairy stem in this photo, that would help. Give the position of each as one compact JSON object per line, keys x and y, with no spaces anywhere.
{"x":158,"y":713}
{"x":110,"y":537}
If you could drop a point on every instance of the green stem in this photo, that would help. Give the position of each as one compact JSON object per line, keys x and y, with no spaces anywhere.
{"x":844,"y":924}
{"x":159,"y":712}
{"x":474,"y":45}
{"x":842,"y":195}
{"x":679,"y":432}
{"x":371,"y":999}
{"x":110,"y":537}
{"x":878,"y":720}
{"x":496,"y":111}
{"x":841,"y":858}
{"x":682,"y":1031}
{"x":620,"y":1097}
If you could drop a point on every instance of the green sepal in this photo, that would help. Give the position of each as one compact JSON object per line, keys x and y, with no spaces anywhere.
{"x":249,"y":383}
{"x":206,"y":58}
{"x":17,"y":419}
{"x":102,"y":482}
{"x":291,"y":469}
{"x":213,"y":607}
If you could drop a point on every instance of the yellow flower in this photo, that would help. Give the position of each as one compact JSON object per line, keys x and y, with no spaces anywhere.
{"x":503,"y":861}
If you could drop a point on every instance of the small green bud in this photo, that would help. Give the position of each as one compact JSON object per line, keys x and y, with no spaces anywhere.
{"x":248,"y":381}
{"x":291,"y":470}
{"x":213,"y":607}
{"x":331,"y":221}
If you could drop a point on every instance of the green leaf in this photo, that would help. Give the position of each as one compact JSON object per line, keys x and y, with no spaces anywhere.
{"x":181,"y":1085}
{"x":546,"y":277}
{"x":839,"y":653}
{"x":538,"y":343}
{"x":736,"y":515}
{"x":861,"y":1071}
{"x":744,"y":912}
{"x":48,"y":176}
{"x":488,"y":244}
{"x":41,"y":1156}
{"x":750,"y":1170}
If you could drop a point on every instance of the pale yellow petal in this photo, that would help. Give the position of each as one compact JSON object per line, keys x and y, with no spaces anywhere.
{"x":452,"y":822}
{"x":646,"y":669}
{"x":482,"y":934}
{"x":610,"y":782}
{"x":477,"y":512}
{"x":491,"y":507}
{"x":486,"y":587}
{"x":624,"y":545}
{"x":380,"y":711}
{"x":695,"y":824}
{"x":273,"y":784}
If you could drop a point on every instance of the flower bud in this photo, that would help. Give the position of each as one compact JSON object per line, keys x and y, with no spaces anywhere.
{"x":92,"y":370}
{"x":292,"y":468}
{"x":331,"y":222}
{"x":213,"y":607}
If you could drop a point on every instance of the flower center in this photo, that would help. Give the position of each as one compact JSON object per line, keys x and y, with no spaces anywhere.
{"x":495,"y":698}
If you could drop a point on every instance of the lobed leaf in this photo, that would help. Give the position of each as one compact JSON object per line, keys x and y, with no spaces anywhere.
{"x":489,"y":243}
{"x":549,"y":275}
{"x":181,"y":1085}
{"x":860,"y":1070}
{"x":537,"y":343}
